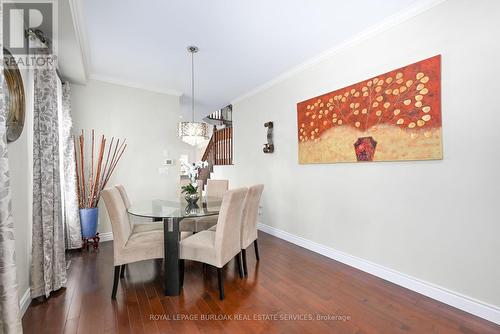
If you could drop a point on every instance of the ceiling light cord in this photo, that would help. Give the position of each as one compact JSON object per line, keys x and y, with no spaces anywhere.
{"x":193,"y":133}
{"x":192,"y":85}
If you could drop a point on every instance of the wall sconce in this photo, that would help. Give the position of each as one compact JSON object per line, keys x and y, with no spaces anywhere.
{"x":269,"y":147}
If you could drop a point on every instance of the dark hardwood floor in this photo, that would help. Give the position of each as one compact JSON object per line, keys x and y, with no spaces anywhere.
{"x":288,"y":282}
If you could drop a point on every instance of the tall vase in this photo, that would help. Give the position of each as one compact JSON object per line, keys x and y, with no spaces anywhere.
{"x":89,"y":219}
{"x":192,"y":198}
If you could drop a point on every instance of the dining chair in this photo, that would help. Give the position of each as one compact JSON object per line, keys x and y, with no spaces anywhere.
{"x":128,"y":247}
{"x":214,"y":189}
{"x":138,"y":226}
{"x":217,"y":248}
{"x":249,"y":223}
{"x":187,"y":225}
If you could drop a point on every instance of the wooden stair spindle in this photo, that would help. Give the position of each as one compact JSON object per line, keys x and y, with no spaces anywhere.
{"x":231,"y":146}
{"x":216,"y":147}
{"x":219,"y":149}
{"x":224,"y":152}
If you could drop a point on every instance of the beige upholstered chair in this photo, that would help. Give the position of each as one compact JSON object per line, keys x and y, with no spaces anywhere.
{"x":128,"y":247}
{"x":187,"y":225}
{"x":249,"y":223}
{"x":215,"y":189}
{"x":218,"y":247}
{"x":137,"y":226}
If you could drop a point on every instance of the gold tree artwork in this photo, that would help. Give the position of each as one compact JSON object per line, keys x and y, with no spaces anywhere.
{"x":394,"y":116}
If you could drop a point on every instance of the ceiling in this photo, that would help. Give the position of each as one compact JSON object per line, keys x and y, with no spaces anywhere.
{"x":243,"y":44}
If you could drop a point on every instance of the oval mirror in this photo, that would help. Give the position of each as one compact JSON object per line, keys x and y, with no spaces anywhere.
{"x":14,"y":97}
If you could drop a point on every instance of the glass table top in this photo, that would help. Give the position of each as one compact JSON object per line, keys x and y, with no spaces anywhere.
{"x":178,"y":208}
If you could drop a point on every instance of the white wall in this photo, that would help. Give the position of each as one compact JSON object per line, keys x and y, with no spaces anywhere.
{"x":148,"y":121}
{"x":433,"y":220}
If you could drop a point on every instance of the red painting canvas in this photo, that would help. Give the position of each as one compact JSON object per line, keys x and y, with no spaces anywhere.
{"x":393,"y":116}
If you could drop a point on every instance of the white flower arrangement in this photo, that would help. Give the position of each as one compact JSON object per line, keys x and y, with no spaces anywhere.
{"x":193,"y":170}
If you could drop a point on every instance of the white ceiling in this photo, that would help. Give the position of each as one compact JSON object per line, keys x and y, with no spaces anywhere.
{"x":243,"y":44}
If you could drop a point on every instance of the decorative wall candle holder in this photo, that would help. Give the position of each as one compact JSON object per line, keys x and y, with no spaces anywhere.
{"x":269,"y":147}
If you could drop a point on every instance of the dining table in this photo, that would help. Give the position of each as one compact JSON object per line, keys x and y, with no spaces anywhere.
{"x":170,"y":213}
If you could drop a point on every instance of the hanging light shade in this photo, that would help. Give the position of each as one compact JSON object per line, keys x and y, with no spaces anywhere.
{"x":193,"y":133}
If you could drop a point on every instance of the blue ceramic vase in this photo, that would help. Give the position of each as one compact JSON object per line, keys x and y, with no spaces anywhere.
{"x":88,"y":221}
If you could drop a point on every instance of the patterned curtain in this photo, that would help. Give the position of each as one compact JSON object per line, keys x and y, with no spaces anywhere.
{"x":10,"y":316}
{"x":72,"y":229}
{"x":48,"y":269}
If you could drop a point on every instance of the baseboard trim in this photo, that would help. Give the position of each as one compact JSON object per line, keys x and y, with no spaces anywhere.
{"x":106,"y":236}
{"x":457,"y":300}
{"x":25,"y":301}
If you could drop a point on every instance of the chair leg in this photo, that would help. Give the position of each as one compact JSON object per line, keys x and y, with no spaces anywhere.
{"x":115,"y":282}
{"x":181,"y":272}
{"x":122,"y":271}
{"x":220,"y":280}
{"x":256,"y":245}
{"x":244,"y":256}
{"x":240,"y":265}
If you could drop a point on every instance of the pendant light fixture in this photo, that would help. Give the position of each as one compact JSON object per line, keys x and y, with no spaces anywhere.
{"x":193,"y":133}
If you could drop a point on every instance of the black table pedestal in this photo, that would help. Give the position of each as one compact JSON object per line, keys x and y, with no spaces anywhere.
{"x":171,"y":244}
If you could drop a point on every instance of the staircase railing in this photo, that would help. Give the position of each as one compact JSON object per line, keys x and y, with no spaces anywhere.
{"x":221,"y":117}
{"x":219,"y":150}
{"x":207,"y":155}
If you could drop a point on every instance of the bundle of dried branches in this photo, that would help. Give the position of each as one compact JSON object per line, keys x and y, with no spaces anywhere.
{"x":93,"y":177}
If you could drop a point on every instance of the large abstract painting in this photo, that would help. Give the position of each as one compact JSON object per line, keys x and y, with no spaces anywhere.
{"x":393,"y":116}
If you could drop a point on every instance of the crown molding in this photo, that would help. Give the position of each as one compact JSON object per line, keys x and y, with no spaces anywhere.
{"x":374,"y":30}
{"x":77,"y":15}
{"x":131,"y":84}
{"x":81,"y":39}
